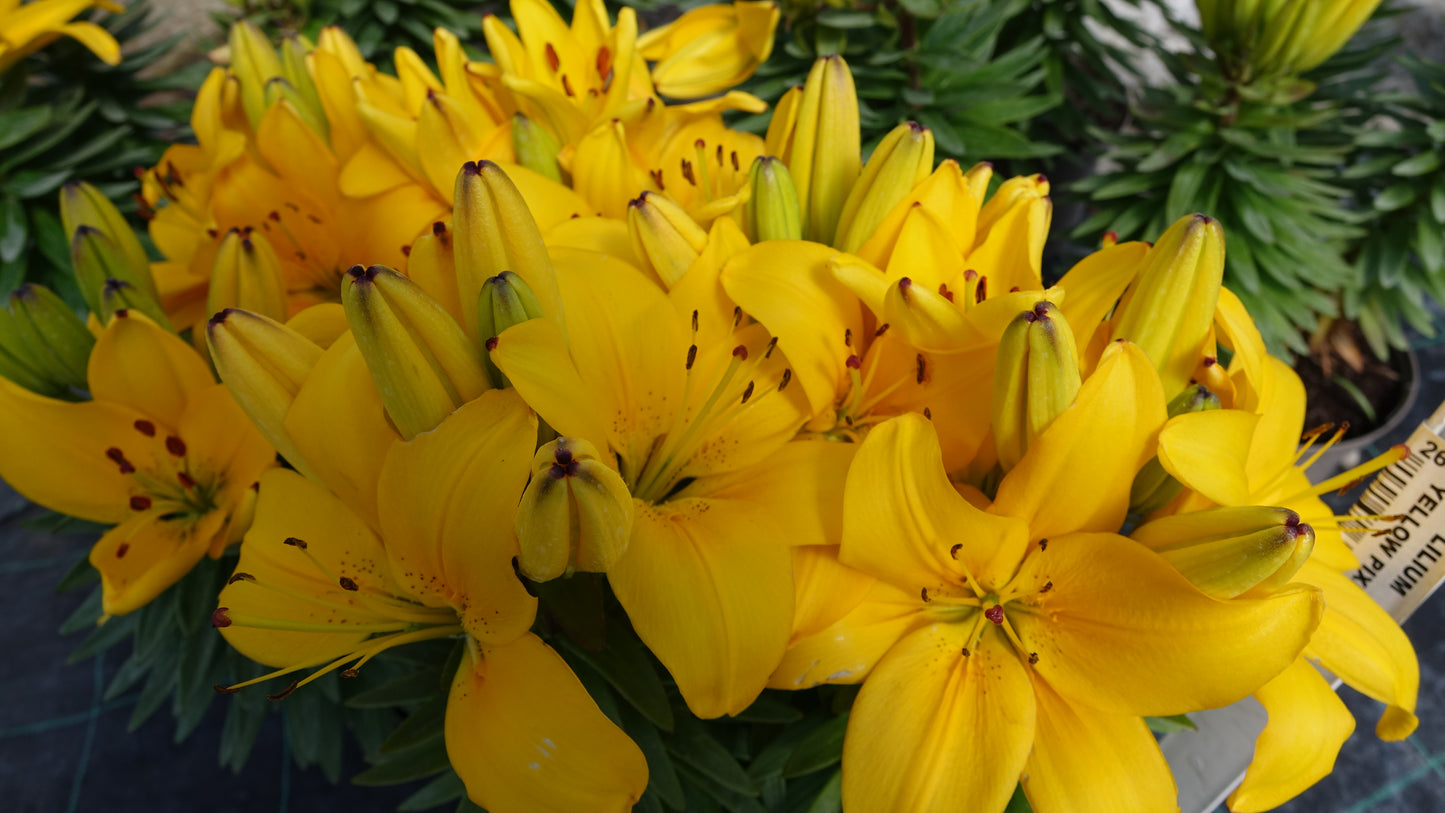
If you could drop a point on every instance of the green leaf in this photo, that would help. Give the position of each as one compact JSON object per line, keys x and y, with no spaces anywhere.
{"x":1394,"y":197}
{"x":1166,"y":725}
{"x":1429,"y":246}
{"x":157,"y":689}
{"x":1420,"y":164}
{"x":79,"y":575}
{"x":662,"y":777}
{"x":927,"y":9}
{"x":413,"y":687}
{"x":692,"y":745}
{"x":1437,"y":199}
{"x":245,"y":714}
{"x":107,"y":635}
{"x":13,"y":232}
{"x":627,"y":666}
{"x":407,"y":766}
{"x":18,"y":125}
{"x":35,"y":183}
{"x":771,"y":707}
{"x":419,"y":726}
{"x":844,"y":18}
{"x":830,"y":799}
{"x":820,"y":749}
{"x":1018,"y":803}
{"x":1125,"y":185}
{"x":85,"y":616}
{"x":435,"y":793}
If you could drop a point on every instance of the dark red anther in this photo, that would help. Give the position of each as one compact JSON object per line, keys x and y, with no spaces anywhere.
{"x":118,"y":458}
{"x":740,"y":353}
{"x":854,"y":362}
{"x":1033,"y":658}
{"x":350,"y":673}
{"x":904,"y":284}
{"x":406,"y":251}
{"x":176,"y":446}
{"x":1043,"y":544}
{"x":787,"y":376}
{"x":553,"y":61}
{"x":748,"y":392}
{"x":491,"y":344}
{"x":691,"y":356}
{"x":145,"y":427}
{"x":772,"y":345}
{"x":604,"y":63}
{"x":657,"y":178}
{"x":737,"y":167}
{"x":1014,"y":289}
{"x":687,"y":172}
{"x":294,"y":542}
{"x":121,"y":551}
{"x":240,"y":576}
{"x":848,"y":337}
{"x":567,"y":87}
{"x":275,"y":215}
{"x":944,"y":292}
{"x":281,"y":695}
{"x":927,"y":413}
{"x":921,"y":368}
{"x":1047,"y":587}
{"x":881,"y":330}
{"x":981,"y":292}
{"x":224,"y":689}
{"x":924,"y":594}
{"x":966,"y":653}
{"x":186,"y":480}
{"x":348,"y":584}
{"x":1210,"y":361}
{"x":1111,"y":237}
{"x":953,"y":551}
{"x":140,"y":502}
{"x":219,"y":618}
{"x":439,"y":229}
{"x":737,"y":315}
{"x":994,"y":614}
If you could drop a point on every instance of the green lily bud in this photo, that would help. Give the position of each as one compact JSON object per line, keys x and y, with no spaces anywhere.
{"x":664,"y":236}
{"x":121,"y":295}
{"x":902,"y":160}
{"x":82,"y":205}
{"x":771,"y":210}
{"x":293,"y":70}
{"x":254,"y":63}
{"x":263,"y":363}
{"x":1229,"y":551}
{"x":1153,"y":486}
{"x":247,"y":275}
{"x":506,"y":300}
{"x":576,"y":513}
{"x":423,"y":365}
{"x":536,"y":147}
{"x":1035,"y":379}
{"x":495,"y":232}
{"x":819,"y":139}
{"x":53,"y":336}
{"x":1170,"y":306}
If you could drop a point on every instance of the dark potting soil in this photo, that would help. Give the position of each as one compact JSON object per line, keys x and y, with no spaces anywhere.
{"x":1383,"y":383}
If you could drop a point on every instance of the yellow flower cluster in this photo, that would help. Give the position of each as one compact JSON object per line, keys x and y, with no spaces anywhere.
{"x":817,"y":420}
{"x":27,"y":27}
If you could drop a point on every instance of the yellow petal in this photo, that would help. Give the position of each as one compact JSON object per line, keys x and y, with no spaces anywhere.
{"x":524,"y":736}
{"x":709,"y":589}
{"x":1076,"y":475}
{"x":1095,"y":284}
{"x":289,"y":505}
{"x":848,"y":649}
{"x":1308,"y":723}
{"x":932,"y":727}
{"x":1358,"y":641}
{"x":446,"y":502}
{"x":824,"y":590}
{"x":1122,"y":631}
{"x":788,"y":286}
{"x":1089,"y":761}
{"x":533,"y":355}
{"x":340,"y":426}
{"x":799,"y":485}
{"x":1208,"y":452}
{"x":144,"y":555}
{"x":54,"y":453}
{"x":97,"y":39}
{"x":904,"y":522}
{"x":139,"y":364}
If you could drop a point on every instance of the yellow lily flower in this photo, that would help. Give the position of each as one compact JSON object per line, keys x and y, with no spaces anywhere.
{"x":699,"y":423}
{"x":1012,"y":641}
{"x":27,"y":27}
{"x":1280,"y":37}
{"x":318,"y":586}
{"x":710,"y":49}
{"x":162,"y":452}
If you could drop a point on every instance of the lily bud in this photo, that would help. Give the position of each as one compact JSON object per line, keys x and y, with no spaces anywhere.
{"x":576,"y":513}
{"x":1153,"y":486}
{"x":771,"y":210}
{"x":120,"y":295}
{"x":823,"y":152}
{"x":263,"y":363}
{"x":254,"y":63}
{"x":279,"y":90}
{"x":294,"y":70}
{"x":495,"y":232}
{"x":506,"y":301}
{"x":1170,"y":306}
{"x":902,"y":160}
{"x":247,"y":275}
{"x":423,"y":365}
{"x":83,"y":205}
{"x":1228,"y":551}
{"x":664,"y":236}
{"x":1035,"y":379}
{"x":52,"y":335}
{"x":536,"y":147}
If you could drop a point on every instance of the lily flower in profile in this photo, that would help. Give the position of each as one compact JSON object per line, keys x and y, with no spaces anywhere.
{"x":1021,"y":640}
{"x":162,"y":452}
{"x":710,"y":49}
{"x":320,"y":587}
{"x":27,"y":27}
